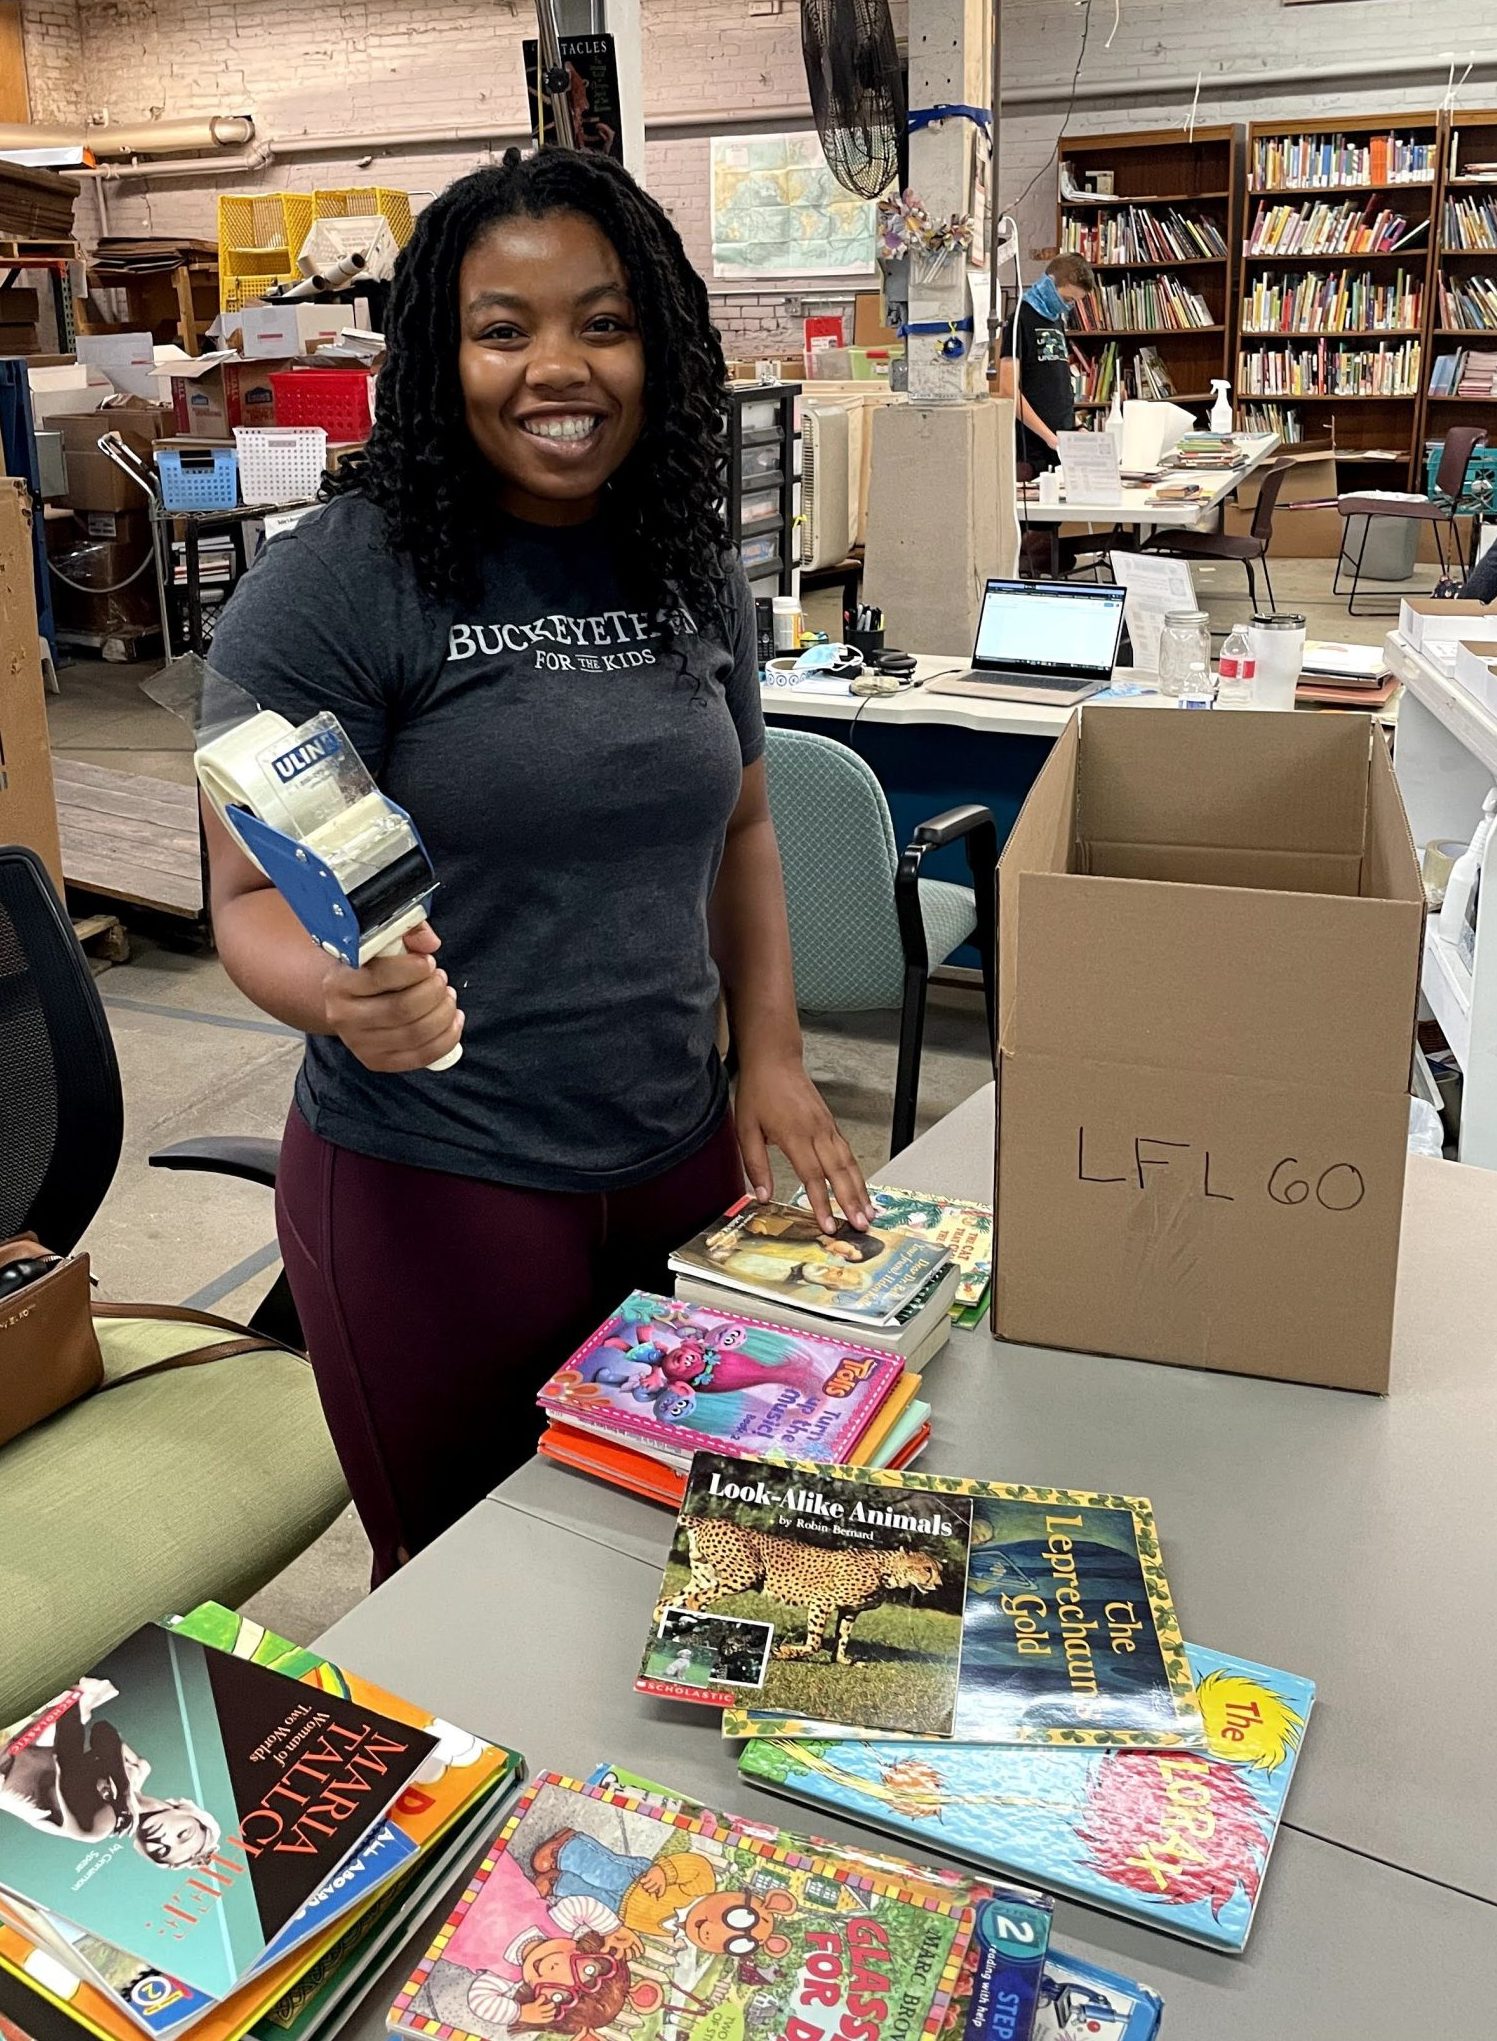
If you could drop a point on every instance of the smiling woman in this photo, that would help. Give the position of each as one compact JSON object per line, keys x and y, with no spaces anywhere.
{"x":522,"y":606}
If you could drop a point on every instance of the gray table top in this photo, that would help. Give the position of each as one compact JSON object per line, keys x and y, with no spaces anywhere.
{"x":527,"y":1633}
{"x":1335,"y":1535}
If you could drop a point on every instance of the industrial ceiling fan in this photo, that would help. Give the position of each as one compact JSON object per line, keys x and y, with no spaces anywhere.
{"x":857,"y":90}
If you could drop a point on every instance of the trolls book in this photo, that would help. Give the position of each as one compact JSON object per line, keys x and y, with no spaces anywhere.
{"x":836,"y":1594}
{"x":621,"y":1918}
{"x":183,"y":1804}
{"x":1068,"y":1628}
{"x":1178,"y":1839}
{"x":779,"y":1251}
{"x":691,"y":1378}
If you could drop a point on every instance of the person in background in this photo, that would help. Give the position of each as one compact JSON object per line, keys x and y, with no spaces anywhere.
{"x":522,"y":605}
{"x":1043,"y":394}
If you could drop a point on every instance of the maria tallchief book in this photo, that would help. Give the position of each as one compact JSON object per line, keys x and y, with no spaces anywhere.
{"x":1178,"y":1839}
{"x":683,"y":1378}
{"x":834,"y":1594}
{"x":612,"y":1915}
{"x":184,"y":1804}
{"x":1068,"y":1630}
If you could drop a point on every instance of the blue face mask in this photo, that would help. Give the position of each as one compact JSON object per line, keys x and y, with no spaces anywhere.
{"x":1044,"y":295}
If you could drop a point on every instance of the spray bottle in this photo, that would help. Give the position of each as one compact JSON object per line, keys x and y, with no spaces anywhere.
{"x":1115,"y":421}
{"x":1221,"y":411}
{"x":1457,"y":917}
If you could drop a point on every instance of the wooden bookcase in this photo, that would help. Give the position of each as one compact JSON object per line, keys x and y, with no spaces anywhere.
{"x":1470,"y":138}
{"x":1354,"y":423}
{"x":1160,"y":174}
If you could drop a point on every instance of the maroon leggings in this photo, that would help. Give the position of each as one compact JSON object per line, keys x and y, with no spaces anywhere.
{"x":435,"y":1306}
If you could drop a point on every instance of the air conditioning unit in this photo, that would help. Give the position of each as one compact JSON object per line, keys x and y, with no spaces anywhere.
{"x":829,"y":498}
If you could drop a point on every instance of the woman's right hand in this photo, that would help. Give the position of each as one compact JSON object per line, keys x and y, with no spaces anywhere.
{"x":396,"y":1012}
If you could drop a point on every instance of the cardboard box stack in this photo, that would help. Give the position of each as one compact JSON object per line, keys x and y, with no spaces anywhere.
{"x":100,"y":544}
{"x":19,"y":312}
{"x":1210,"y":932}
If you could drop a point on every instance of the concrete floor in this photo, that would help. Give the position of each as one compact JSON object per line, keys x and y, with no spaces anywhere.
{"x":196,"y":1058}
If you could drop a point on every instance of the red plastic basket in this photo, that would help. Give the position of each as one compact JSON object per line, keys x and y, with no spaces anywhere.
{"x":339,"y":400}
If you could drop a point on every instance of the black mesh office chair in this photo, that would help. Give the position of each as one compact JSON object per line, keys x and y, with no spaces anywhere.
{"x":61,"y":1110}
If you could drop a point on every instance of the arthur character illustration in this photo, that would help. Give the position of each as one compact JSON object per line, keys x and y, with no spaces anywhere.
{"x":660,"y":1898}
{"x":574,"y":1983}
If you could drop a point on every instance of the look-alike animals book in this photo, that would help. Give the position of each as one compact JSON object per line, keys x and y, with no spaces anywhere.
{"x":813,"y":1592}
{"x":613,"y":1916}
{"x":689,"y":1378}
{"x":1178,"y":1839}
{"x":183,"y":1804}
{"x":1069,"y":1632}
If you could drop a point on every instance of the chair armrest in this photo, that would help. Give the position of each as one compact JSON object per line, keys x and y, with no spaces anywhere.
{"x":953,"y":824}
{"x":250,"y":1157}
{"x":974,"y":828}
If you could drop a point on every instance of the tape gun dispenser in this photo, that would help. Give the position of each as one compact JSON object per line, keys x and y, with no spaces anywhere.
{"x":301,"y":803}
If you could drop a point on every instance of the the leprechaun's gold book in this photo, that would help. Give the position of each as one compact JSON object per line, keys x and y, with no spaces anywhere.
{"x":1069,"y":1632}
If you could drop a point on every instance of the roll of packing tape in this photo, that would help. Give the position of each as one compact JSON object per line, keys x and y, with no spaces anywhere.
{"x":1439,"y":857}
{"x":230,"y":774}
{"x":780,"y":672}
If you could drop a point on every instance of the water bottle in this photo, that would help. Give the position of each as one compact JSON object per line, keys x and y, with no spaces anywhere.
{"x":1237,"y":670}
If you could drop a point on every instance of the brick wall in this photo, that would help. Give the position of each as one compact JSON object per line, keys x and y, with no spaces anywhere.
{"x":54,"y":58}
{"x":380,"y":66}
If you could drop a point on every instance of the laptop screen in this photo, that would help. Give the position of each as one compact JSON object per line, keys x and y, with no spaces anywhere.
{"x":1050,"y":627}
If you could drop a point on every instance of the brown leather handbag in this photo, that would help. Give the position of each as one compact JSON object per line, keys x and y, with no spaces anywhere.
{"x":49,"y":1355}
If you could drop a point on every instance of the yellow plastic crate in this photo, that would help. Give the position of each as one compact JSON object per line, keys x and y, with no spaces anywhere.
{"x":259,"y":238}
{"x":395,"y":206}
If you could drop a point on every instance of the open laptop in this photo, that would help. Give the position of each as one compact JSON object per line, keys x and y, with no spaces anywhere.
{"x":1042,"y":641}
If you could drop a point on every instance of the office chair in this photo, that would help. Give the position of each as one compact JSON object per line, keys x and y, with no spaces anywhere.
{"x":178,"y":1485}
{"x":1252,"y":547}
{"x":866,"y":929}
{"x":1461,"y":442}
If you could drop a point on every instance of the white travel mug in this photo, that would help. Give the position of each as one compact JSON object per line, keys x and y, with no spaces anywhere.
{"x":1278,"y":642}
{"x":1049,"y":482}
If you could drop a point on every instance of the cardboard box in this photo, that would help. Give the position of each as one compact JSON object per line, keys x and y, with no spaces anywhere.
{"x":1209,"y":945}
{"x":274,"y":332}
{"x":94,"y":483}
{"x":109,"y":591}
{"x":19,"y":307}
{"x":60,"y":387}
{"x":28,"y":808}
{"x":868,"y":328}
{"x":1475,"y":670}
{"x":213,"y":394}
{"x":1423,"y":621}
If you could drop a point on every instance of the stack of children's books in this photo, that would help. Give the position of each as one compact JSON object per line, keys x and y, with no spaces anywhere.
{"x":783,"y":1342}
{"x":212,"y":1833}
{"x":996,"y":1671}
{"x":614,"y":1909}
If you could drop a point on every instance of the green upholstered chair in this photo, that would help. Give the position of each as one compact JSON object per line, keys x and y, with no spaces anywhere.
{"x":866,"y":929}
{"x":183,"y":1486}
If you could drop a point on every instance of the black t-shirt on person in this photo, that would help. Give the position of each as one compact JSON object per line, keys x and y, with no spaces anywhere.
{"x":1044,"y":379}
{"x":573,"y":787}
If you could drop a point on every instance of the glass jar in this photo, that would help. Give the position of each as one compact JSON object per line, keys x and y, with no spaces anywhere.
{"x":1185,"y":654}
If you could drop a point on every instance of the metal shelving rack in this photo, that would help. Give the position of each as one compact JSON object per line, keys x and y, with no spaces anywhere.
{"x":762,"y":480}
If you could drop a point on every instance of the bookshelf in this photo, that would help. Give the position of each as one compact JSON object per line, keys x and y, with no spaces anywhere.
{"x":1336,"y":284}
{"x":1467,"y":197}
{"x":1166,"y":236}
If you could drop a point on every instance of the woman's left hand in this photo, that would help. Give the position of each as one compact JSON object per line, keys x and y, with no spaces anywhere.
{"x":778,"y":1106}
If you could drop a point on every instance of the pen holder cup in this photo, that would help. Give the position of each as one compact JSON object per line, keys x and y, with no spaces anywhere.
{"x":869,"y":643}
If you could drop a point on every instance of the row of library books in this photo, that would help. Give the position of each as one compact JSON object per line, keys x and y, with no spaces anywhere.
{"x":1298,"y":162}
{"x":1137,"y":234}
{"x":608,"y":1908}
{"x":1284,"y":419}
{"x":1467,"y":372}
{"x":1333,"y":301}
{"x":780,"y":1341}
{"x":1470,"y":223}
{"x":1138,"y":373}
{"x":993,"y":1668}
{"x":1470,"y":304}
{"x":1322,"y":229}
{"x":1326,"y":371}
{"x":213,"y":1833}
{"x":1144,"y":304}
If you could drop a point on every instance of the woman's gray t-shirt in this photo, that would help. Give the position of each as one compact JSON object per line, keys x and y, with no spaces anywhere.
{"x":573,"y":785}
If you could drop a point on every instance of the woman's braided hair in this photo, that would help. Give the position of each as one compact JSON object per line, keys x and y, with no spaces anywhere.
{"x":420,"y":467}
